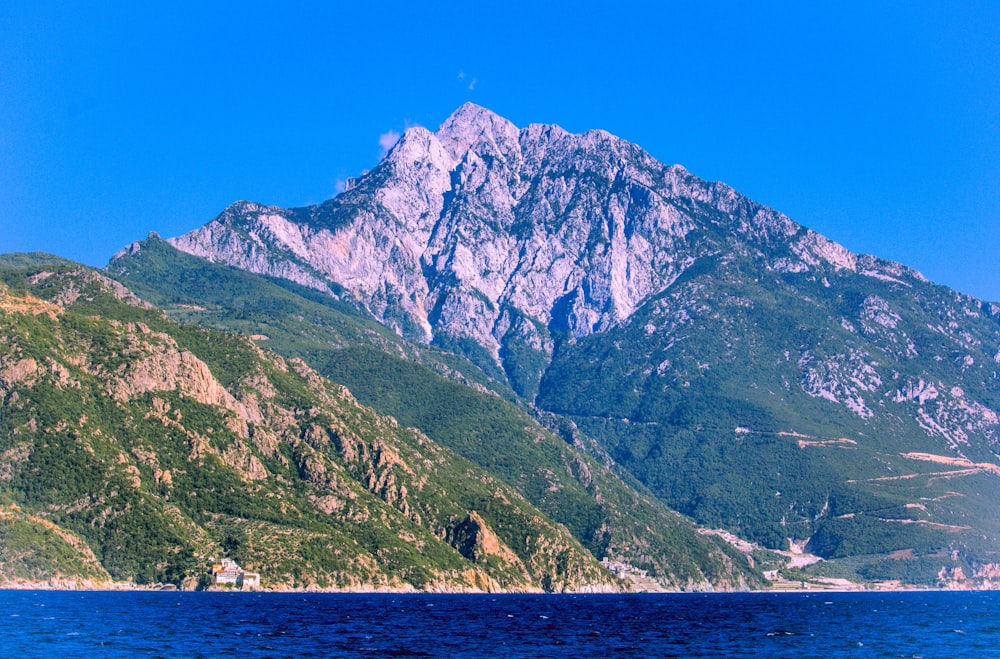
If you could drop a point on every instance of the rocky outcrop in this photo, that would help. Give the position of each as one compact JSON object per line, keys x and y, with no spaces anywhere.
{"x":474,"y":539}
{"x":459,"y":230}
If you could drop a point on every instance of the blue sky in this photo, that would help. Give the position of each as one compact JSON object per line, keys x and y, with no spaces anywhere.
{"x":875,"y":123}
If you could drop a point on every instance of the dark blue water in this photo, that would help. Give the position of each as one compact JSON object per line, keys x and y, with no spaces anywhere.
{"x":60,"y":625}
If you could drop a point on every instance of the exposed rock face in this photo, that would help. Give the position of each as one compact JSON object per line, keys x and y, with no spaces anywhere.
{"x":474,"y":539}
{"x":465,"y":230}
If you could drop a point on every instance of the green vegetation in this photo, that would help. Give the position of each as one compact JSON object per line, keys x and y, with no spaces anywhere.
{"x":738,"y":446}
{"x":20,"y":260}
{"x":523,"y":363}
{"x":481,"y":422}
{"x":33,"y":550}
{"x":161,"y":445}
{"x":737,"y":443}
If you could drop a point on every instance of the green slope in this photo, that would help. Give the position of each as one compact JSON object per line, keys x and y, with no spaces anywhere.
{"x":479,"y":421}
{"x":162,"y":445}
{"x":702,"y":395}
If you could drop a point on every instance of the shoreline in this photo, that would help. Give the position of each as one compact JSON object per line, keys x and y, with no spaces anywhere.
{"x":125,"y":587}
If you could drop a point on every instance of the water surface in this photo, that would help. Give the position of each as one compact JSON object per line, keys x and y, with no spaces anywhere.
{"x":60,"y":625}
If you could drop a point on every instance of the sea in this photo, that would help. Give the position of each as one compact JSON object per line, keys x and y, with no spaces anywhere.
{"x":64,"y":624}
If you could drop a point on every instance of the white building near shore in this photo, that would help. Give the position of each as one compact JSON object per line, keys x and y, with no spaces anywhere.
{"x":228,"y":572}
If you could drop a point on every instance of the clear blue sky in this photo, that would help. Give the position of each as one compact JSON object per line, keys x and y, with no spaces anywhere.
{"x":875,"y":123}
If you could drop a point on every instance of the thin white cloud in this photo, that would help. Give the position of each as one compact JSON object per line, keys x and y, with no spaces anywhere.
{"x":467,"y":80}
{"x":387,"y":140}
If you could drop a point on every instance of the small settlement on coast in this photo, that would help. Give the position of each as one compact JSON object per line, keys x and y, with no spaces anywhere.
{"x":228,"y":573}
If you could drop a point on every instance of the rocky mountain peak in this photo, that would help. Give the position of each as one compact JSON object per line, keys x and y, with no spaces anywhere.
{"x":472,"y":126}
{"x":544,"y":133}
{"x":488,"y":232}
{"x":422,"y":147}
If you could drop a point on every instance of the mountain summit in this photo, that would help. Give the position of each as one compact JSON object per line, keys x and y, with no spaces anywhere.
{"x":752,"y":373}
{"x":461,"y":232}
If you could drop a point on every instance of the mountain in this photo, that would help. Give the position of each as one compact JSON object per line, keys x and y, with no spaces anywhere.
{"x":750,"y":372}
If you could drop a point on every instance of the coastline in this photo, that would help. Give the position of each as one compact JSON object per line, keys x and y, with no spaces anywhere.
{"x":69,"y":585}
